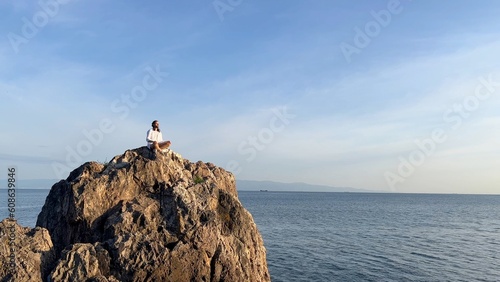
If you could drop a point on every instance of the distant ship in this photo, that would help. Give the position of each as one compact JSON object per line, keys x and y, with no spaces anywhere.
{"x":263,"y":191}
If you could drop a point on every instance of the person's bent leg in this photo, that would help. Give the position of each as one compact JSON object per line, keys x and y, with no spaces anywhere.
{"x":164,"y":145}
{"x":155,"y":146}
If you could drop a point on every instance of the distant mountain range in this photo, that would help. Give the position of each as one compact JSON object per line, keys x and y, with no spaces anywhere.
{"x":241,"y":185}
{"x":251,"y":185}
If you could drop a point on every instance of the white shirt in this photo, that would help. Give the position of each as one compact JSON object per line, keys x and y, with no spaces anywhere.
{"x":153,"y":135}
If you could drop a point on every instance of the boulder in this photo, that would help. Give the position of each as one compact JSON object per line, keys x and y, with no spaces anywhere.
{"x":31,"y":249}
{"x":143,"y":217}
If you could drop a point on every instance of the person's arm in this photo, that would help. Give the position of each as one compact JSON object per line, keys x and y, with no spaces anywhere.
{"x":149,"y":137}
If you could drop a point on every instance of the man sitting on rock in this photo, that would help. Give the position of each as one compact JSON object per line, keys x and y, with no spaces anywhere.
{"x":155,"y":138}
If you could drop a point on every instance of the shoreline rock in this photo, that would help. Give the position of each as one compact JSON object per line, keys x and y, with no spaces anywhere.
{"x":34,"y":252}
{"x":140,"y":218}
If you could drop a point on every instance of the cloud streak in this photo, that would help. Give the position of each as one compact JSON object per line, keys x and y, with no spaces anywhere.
{"x":353,"y":120}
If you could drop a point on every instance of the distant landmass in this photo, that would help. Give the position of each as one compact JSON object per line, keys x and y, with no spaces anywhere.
{"x":242,"y":185}
{"x":251,"y":185}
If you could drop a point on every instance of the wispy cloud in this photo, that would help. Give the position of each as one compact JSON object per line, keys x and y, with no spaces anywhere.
{"x":352,"y":121}
{"x":26,"y":159}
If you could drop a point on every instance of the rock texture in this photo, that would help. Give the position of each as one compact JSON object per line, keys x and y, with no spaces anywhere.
{"x":141,"y":218}
{"x":33,"y":251}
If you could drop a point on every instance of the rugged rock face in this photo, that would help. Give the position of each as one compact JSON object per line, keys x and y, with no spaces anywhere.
{"x":33,"y":251}
{"x":141,"y":218}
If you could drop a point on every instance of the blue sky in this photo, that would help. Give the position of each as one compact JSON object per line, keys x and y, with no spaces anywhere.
{"x":266,"y":89}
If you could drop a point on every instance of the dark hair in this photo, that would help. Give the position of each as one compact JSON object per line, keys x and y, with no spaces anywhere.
{"x":152,"y":125}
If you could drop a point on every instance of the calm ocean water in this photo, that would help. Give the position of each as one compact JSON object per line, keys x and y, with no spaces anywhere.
{"x":378,"y":237}
{"x":29,"y":203}
{"x":362,"y":237}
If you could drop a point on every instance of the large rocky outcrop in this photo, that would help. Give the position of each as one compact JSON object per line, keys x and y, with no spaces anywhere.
{"x":141,"y":218}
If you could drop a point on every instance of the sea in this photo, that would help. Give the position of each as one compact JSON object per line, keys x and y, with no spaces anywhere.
{"x":361,"y":236}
